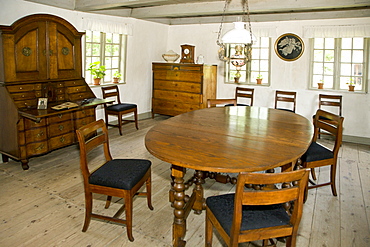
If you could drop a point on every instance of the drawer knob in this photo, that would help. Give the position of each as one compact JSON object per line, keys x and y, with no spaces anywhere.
{"x":41,"y":147}
{"x":40,"y":134}
{"x":61,"y":127}
{"x":60,"y":115}
{"x":62,"y":139}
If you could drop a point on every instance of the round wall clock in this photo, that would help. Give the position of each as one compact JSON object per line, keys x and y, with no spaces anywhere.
{"x":187,"y":54}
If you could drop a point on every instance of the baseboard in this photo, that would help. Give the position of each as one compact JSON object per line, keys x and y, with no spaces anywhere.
{"x":356,"y":139}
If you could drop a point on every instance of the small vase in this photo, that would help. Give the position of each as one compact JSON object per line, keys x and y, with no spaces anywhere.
{"x":351,"y":88}
{"x":259,"y":81}
{"x":320,"y":85}
{"x":115,"y":80}
{"x":97,"y":81}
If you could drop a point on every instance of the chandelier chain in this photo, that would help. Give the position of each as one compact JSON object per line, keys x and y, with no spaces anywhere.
{"x":227,"y":2}
{"x":245,"y":5}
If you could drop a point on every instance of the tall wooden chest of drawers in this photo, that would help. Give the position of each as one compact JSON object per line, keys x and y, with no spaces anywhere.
{"x":180,"y":88}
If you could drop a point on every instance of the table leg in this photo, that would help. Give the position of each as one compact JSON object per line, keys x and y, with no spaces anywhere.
{"x":200,"y":202}
{"x":179,"y":222}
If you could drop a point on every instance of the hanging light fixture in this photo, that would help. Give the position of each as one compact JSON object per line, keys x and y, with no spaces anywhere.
{"x":240,"y":36}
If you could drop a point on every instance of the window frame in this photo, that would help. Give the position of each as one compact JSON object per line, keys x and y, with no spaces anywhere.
{"x":122,"y":59}
{"x":251,"y":74}
{"x":337,"y":63}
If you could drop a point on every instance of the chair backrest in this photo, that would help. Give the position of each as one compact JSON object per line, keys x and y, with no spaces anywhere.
{"x":330,"y":123}
{"x":90,"y":137}
{"x":285,"y":96}
{"x":223,"y":102}
{"x":331,"y":101}
{"x":291,"y":187}
{"x":245,"y":93}
{"x":111,"y":91}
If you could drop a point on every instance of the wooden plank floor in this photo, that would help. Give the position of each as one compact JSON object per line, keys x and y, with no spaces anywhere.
{"x":44,"y":206}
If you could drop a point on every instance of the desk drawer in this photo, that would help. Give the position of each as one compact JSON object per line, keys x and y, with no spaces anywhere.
{"x":60,"y":118}
{"x":37,"y":148}
{"x":83,"y":121}
{"x":61,"y":141}
{"x":36,"y":135}
{"x":23,"y":88}
{"x":28,"y":124}
{"x":60,"y":128}
{"x":88,"y":112}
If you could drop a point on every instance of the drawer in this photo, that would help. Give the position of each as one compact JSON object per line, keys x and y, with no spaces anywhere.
{"x":26,"y":103}
{"x":28,"y":124}
{"x":79,"y":89}
{"x":59,"y":118}
{"x":83,"y":121}
{"x":60,"y":84}
{"x":176,"y":66}
{"x":170,"y":108}
{"x":88,"y":112}
{"x":36,"y":135}
{"x":37,"y":148}
{"x":60,"y":128}
{"x":73,"y":83}
{"x":60,"y":97}
{"x":26,"y":95}
{"x":188,"y":76}
{"x":61,"y":141}
{"x":79,"y":96}
{"x":178,"y":86}
{"x":23,"y":88}
{"x":178,"y":96}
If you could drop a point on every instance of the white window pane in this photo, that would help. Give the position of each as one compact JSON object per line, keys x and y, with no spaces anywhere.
{"x":319,"y":43}
{"x":255,"y":54}
{"x":328,"y":68}
{"x":346,"y":43}
{"x":264,"y":65}
{"x":329,"y":55}
{"x":346,"y":56}
{"x":264,"y":53}
{"x":358,"y":43}
{"x":116,"y":38}
{"x":357,"y":69}
{"x":318,"y":56}
{"x":115,"y":62}
{"x":343,"y":82}
{"x":345,"y":69}
{"x":329,"y":43}
{"x":317,"y":68}
{"x":317,"y":79}
{"x":255,"y":66}
{"x":357,"y":56}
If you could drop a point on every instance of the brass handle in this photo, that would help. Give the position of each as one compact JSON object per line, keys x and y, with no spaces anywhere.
{"x":40,"y":147}
{"x":40,"y":134}
{"x":62,"y":139}
{"x":60,"y":115}
{"x":61,"y":127}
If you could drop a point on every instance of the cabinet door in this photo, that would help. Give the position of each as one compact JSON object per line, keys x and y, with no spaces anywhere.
{"x":25,"y":53}
{"x":64,"y":52}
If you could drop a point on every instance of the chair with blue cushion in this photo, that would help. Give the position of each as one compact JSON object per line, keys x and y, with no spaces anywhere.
{"x":117,"y":108}
{"x":285,"y":97}
{"x":251,"y":215}
{"x":220,"y":102}
{"x":115,"y":177}
{"x":318,"y":155}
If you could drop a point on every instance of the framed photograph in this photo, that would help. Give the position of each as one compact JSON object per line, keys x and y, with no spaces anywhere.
{"x":289,"y":47}
{"x":42,"y":103}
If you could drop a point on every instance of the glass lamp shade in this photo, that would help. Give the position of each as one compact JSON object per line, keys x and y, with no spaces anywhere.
{"x":238,"y":35}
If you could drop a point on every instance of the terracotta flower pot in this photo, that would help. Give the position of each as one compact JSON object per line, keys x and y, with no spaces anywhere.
{"x":320,"y":85}
{"x":259,"y":81}
{"x":97,"y":81}
{"x":115,"y":80}
{"x":351,"y":88}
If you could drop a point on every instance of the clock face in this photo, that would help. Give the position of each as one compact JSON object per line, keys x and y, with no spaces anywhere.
{"x":186,"y":51}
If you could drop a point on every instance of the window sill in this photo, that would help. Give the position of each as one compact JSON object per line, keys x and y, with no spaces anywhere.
{"x":105,"y":84}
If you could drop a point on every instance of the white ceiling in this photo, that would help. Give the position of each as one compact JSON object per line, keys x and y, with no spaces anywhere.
{"x":177,"y":12}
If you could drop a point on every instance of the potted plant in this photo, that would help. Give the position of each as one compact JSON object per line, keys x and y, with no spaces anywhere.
{"x":117,"y":76}
{"x":320,"y":85}
{"x":259,"y":79}
{"x":97,"y":71}
{"x":351,"y":85}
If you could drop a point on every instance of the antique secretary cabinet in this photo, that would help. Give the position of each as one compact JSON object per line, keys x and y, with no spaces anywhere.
{"x":40,"y":57}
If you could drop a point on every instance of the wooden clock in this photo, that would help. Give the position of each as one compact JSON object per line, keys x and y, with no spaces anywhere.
{"x":187,"y":54}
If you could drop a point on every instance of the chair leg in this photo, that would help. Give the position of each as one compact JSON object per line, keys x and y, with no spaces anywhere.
{"x":136,"y":122}
{"x":88,"y":210}
{"x":149,"y":192}
{"x":333,"y":170}
{"x":128,"y":209}
{"x":313,"y":174}
{"x":109,"y":200}
{"x":209,"y":232}
{"x":120,"y":123}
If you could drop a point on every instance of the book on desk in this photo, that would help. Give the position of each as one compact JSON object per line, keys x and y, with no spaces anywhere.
{"x":64,"y":106}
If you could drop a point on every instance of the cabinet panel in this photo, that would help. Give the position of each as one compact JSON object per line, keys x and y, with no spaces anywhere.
{"x":36,"y":135}
{"x":177,"y":96}
{"x":61,"y":141}
{"x":171,"y":108}
{"x":178,"y":86}
{"x":37,"y":148}
{"x":178,"y":75}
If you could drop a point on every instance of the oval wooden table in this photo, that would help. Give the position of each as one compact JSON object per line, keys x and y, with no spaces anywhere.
{"x":224,"y":139}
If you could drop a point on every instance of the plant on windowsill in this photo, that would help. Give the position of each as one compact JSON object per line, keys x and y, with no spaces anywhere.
{"x":98,"y":72}
{"x":320,"y":85}
{"x":259,"y":79}
{"x":351,"y":85}
{"x":117,"y":77}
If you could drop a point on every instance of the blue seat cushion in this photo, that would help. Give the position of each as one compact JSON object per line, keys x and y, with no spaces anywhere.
{"x":120,"y":173}
{"x":317,"y":152}
{"x":121,"y":107}
{"x":253,"y":217}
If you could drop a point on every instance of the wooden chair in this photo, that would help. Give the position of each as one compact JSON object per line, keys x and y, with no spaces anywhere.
{"x":223,"y":102}
{"x":118,"y":109}
{"x":241,"y":92}
{"x":285,"y":96}
{"x":115,"y":177}
{"x":251,"y":215}
{"x":330,"y":102}
{"x":318,"y":155}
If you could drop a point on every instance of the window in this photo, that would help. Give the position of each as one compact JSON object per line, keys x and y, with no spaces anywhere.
{"x":338,"y":62}
{"x":109,"y":49}
{"x":259,"y":65}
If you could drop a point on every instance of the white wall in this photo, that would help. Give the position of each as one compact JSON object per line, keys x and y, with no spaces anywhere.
{"x":150,"y":40}
{"x":284,"y":75}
